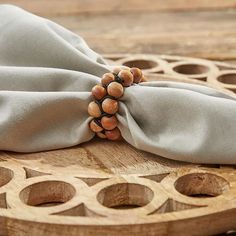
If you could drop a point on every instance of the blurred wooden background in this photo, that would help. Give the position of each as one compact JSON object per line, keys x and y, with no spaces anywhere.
{"x":199,"y":28}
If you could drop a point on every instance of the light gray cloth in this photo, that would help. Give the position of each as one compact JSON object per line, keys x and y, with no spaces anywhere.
{"x":46,"y":76}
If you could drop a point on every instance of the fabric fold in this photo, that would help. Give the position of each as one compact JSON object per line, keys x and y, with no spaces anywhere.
{"x":36,"y":121}
{"x":46,"y":77}
{"x":180,"y":121}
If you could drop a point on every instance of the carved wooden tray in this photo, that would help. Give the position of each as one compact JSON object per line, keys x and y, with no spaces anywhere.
{"x":111,"y":188}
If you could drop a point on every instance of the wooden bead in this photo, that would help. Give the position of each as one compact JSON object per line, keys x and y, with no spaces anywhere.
{"x":126,"y":77}
{"x":101,"y":135}
{"x":137,"y":74}
{"x":109,"y":123}
{"x":113,"y":134}
{"x":110,"y":106}
{"x":115,"y":89}
{"x":116,"y":70}
{"x":107,"y":78}
{"x":95,"y":127}
{"x":98,"y":92}
{"x":94,"y":109}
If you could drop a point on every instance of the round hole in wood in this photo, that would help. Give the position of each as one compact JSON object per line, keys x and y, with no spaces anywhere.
{"x":229,"y":78}
{"x":201,"y":185}
{"x":5,"y":176}
{"x":141,"y":64}
{"x":47,"y":193}
{"x":125,"y":196}
{"x":191,"y":69}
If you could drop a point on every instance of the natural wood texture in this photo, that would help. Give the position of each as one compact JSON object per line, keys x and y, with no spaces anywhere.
{"x":203,"y":28}
{"x":110,"y":188}
{"x":55,"y":7}
{"x":205,"y":34}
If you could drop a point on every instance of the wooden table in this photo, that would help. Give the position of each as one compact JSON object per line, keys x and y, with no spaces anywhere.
{"x":203,"y":28}
{"x":107,"y":188}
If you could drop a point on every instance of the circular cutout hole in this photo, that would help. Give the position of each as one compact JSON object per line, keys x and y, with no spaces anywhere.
{"x":5,"y":176}
{"x":228,"y":78}
{"x":125,"y":196}
{"x":141,"y":64}
{"x":47,"y":193}
{"x":191,"y":69}
{"x":201,"y":185}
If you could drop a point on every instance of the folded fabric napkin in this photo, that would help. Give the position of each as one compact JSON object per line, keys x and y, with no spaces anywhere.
{"x":46,"y":76}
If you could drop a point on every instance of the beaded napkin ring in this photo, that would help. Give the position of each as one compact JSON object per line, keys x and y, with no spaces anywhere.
{"x":105,"y":104}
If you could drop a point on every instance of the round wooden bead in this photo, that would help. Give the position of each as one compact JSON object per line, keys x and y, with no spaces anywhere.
{"x":116,"y":70}
{"x":94,"y":109}
{"x":107,"y":78}
{"x":101,"y":135}
{"x":98,"y":92}
{"x":137,"y":74}
{"x":110,"y":106}
{"x":113,"y":134}
{"x":95,"y":127}
{"x":115,"y":89}
{"x":126,"y":77}
{"x":109,"y":123}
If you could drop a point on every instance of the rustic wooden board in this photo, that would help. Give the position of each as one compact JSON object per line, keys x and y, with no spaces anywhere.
{"x":65,"y":7}
{"x":111,"y":188}
{"x":203,"y":28}
{"x":205,"y":34}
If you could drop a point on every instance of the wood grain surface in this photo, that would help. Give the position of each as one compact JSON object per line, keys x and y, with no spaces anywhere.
{"x":199,"y":34}
{"x":204,"y":28}
{"x":67,"y":7}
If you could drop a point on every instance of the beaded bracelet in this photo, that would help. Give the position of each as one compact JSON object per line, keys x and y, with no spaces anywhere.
{"x":105,"y":104}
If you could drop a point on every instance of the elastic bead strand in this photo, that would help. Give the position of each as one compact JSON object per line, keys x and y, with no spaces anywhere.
{"x":105,"y":105}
